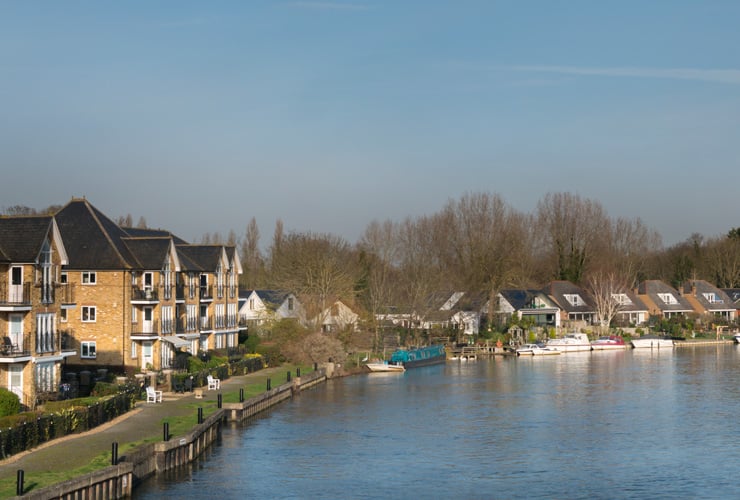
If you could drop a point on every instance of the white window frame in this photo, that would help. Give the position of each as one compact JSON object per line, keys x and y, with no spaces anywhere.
{"x":86,"y":311}
{"x":88,"y":349}
{"x":89,"y":278}
{"x":134,"y":350}
{"x":668,"y":298}
{"x":574,"y":299}
{"x":622,"y":299}
{"x":63,"y":318}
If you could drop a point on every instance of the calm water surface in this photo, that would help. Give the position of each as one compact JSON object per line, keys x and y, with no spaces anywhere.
{"x":632,"y":424}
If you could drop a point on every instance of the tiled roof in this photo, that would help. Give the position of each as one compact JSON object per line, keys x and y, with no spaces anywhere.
{"x":697,"y":288}
{"x":557,"y":290}
{"x":92,"y":240}
{"x":151,"y":253}
{"x":652,"y":288}
{"x":201,"y":257}
{"x":137,"y":232}
{"x":21,"y":238}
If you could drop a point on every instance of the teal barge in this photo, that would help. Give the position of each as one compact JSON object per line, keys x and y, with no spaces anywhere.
{"x":422,"y":356}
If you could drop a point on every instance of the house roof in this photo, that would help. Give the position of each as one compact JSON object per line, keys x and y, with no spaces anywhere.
{"x":733,"y":294}
{"x":92,"y":240}
{"x":200,"y":257}
{"x":137,"y":232}
{"x":651,"y":288}
{"x":557,"y":290}
{"x":698,"y":288}
{"x":151,"y":253}
{"x":522,"y":298}
{"x":636,"y":305}
{"x":21,"y":238}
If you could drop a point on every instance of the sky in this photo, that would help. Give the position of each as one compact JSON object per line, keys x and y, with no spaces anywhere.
{"x":329,"y":114}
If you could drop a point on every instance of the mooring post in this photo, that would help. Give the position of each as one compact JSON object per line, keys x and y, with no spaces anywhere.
{"x":287,"y":378}
{"x":269,"y":384}
{"x":166,"y":431}
{"x":241,"y":395}
{"x":298,"y":372}
{"x":114,"y":454}
{"x":200,"y":414}
{"x":19,"y":483}
{"x":220,"y":400}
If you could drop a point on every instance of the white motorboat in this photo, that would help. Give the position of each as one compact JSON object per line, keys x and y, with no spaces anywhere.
{"x":570,"y":342}
{"x":652,"y":342}
{"x":535,"y":350}
{"x":610,"y":343}
{"x":384,"y":367}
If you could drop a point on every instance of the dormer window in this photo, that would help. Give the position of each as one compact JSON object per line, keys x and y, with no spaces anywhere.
{"x":668,"y":298}
{"x":622,"y":299}
{"x":712,"y":298}
{"x":574,"y":299}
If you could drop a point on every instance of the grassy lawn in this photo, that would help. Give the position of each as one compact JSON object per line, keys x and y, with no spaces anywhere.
{"x":254,"y":385}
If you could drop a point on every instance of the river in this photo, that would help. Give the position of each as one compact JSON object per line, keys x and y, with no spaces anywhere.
{"x":627,"y":424}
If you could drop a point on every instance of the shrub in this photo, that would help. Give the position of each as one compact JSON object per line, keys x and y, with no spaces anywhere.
{"x":104,"y":389}
{"x":9,"y":403}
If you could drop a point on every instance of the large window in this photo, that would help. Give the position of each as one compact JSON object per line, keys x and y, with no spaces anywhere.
{"x":88,"y":314}
{"x":45,"y":332}
{"x":89,"y":278}
{"x":45,"y":379}
{"x":88,"y":350}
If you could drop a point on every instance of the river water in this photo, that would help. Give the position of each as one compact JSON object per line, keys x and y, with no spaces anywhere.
{"x":627,"y":424}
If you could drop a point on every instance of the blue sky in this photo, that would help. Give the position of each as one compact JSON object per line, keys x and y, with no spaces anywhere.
{"x":330,"y":114}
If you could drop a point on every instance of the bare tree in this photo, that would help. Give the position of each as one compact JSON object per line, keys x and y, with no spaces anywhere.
{"x":378,"y":255}
{"x":252,"y":260}
{"x":142,"y":223}
{"x":605,"y":290}
{"x":319,"y":268}
{"x":572,"y":231}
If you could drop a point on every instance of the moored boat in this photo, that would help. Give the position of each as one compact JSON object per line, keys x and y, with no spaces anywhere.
{"x":535,"y":350}
{"x":384,"y":367}
{"x":570,"y":342}
{"x":422,"y":356}
{"x":610,"y":343}
{"x":652,"y":342}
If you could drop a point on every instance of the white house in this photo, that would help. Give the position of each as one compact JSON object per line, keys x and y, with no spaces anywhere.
{"x":263,"y":306}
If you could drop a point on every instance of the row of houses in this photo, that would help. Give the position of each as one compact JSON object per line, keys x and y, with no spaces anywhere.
{"x":77,"y":289}
{"x":560,"y":304}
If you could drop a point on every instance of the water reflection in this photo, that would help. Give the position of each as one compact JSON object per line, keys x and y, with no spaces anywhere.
{"x":637,"y":423}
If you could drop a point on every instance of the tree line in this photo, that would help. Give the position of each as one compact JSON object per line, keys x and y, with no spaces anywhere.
{"x":475,"y":243}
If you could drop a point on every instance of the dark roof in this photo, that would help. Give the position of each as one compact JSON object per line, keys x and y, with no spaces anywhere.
{"x":521,"y":298}
{"x":21,"y":237}
{"x":697,"y":288}
{"x":652,"y":288}
{"x":200,"y":257}
{"x":92,"y":240}
{"x":733,"y":293}
{"x":557,"y":290}
{"x":137,"y":232}
{"x":151,"y":253}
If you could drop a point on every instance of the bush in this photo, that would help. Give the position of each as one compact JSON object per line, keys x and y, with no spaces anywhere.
{"x":104,"y":389}
{"x":9,"y":403}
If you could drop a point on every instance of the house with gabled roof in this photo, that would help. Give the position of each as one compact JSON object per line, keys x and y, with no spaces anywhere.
{"x":337,"y":317}
{"x":708,"y":299}
{"x":264,"y":306}
{"x":734,"y":295}
{"x":33,"y":299}
{"x":574,"y":302}
{"x":632,"y":310}
{"x":528,"y":303}
{"x":216,"y":269}
{"x":662,"y":299}
{"x":470,"y":309}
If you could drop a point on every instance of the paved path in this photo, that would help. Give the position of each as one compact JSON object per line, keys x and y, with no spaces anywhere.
{"x":145,"y":421}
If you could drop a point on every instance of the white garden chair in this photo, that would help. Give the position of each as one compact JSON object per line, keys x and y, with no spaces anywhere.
{"x":153,"y":396}
{"x":213,"y":383}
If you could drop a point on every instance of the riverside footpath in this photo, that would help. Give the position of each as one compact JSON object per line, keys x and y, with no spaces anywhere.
{"x":144,"y":423}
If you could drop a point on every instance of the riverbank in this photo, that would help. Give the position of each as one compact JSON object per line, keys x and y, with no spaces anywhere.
{"x":80,"y":454}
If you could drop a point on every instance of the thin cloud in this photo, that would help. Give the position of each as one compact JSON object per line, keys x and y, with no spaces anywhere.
{"x":328,"y":5}
{"x":729,"y":76}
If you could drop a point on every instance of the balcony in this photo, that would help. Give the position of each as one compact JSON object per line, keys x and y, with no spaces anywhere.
{"x":144,"y":295}
{"x":187,"y":325}
{"x":144,"y":330}
{"x":206,"y":324}
{"x":15,"y":297}
{"x":13,"y":347}
{"x":206,"y":293}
